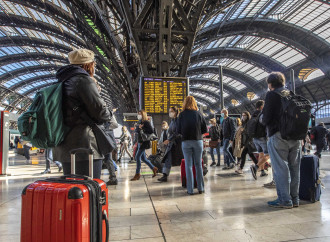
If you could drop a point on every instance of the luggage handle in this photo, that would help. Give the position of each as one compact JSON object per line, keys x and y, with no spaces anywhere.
{"x":75,"y":176}
{"x":105,"y":217}
{"x":73,"y":159}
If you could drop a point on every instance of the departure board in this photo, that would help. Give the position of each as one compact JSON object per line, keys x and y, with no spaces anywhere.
{"x":158,"y":94}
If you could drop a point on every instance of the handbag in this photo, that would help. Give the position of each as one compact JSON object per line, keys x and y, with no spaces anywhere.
{"x":105,"y":139}
{"x":148,"y":137}
{"x":213,"y":144}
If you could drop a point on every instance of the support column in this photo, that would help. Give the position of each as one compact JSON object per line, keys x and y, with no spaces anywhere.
{"x":292,"y":79}
{"x":222,"y":100}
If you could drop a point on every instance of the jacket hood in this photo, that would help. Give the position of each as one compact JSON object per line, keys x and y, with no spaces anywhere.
{"x":66,"y":72}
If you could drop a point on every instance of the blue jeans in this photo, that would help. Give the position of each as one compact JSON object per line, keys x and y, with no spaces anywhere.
{"x":218,"y":153}
{"x":285,"y":156}
{"x":141,"y":155}
{"x":226,"y":153}
{"x":192,"y":152}
{"x":111,"y":166}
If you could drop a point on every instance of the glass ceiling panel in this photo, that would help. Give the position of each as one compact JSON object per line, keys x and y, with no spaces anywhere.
{"x":310,"y":15}
{"x":22,"y":78}
{"x":281,"y":52}
{"x":28,"y":87}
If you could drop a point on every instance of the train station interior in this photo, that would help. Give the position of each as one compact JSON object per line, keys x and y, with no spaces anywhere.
{"x":151,"y":55}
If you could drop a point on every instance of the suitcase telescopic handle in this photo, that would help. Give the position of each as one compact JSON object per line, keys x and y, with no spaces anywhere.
{"x":73,"y":159}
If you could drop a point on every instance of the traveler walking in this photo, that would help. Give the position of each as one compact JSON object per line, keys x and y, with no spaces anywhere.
{"x":192,"y":126}
{"x":173,"y":153}
{"x":80,"y":95}
{"x":143,"y":130}
{"x":258,"y":131}
{"x":163,"y":140}
{"x":246,"y":143}
{"x":49,"y":158}
{"x":26,"y":148}
{"x":319,"y":133}
{"x":125,"y":140}
{"x":214,"y":134}
{"x":228,"y":130}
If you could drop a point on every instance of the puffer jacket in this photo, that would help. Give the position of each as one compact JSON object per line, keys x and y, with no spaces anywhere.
{"x":80,"y":94}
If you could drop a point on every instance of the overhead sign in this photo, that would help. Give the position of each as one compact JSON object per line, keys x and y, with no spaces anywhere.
{"x":158,"y":94}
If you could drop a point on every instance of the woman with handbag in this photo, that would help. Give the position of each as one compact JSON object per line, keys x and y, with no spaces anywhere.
{"x":214,"y":134}
{"x":173,"y":152}
{"x":245,"y":146}
{"x":145,"y":132}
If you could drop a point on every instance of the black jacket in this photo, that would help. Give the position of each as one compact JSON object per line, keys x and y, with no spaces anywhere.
{"x":147,"y":129}
{"x":320,"y":133}
{"x":272,"y":112}
{"x":228,"y":129}
{"x":80,"y":94}
{"x":214,"y":133}
{"x":191,"y":125}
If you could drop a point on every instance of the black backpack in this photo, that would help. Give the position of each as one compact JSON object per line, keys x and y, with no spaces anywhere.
{"x":295,"y":115}
{"x":255,"y":129}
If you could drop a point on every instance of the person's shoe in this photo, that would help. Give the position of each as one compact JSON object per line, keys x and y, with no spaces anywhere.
{"x":270,"y":185}
{"x":263,"y":173}
{"x":27,"y":162}
{"x":190,"y":193}
{"x":213,"y":163}
{"x":232,"y":166}
{"x":253,"y":169}
{"x":276,"y":204}
{"x":239,"y":171}
{"x":112,"y":182}
{"x":200,"y":192}
{"x":154,"y":170}
{"x":225,"y":168}
{"x":163,"y":178}
{"x":295,"y":205}
{"x":60,"y":168}
{"x":132,"y":159}
{"x":218,"y":164}
{"x":47,"y":171}
{"x":136,"y":177}
{"x":119,"y":160}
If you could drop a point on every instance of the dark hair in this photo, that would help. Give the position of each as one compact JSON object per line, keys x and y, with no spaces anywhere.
{"x":248,"y":115}
{"x":276,"y":79}
{"x":259,"y":104}
{"x":176,"y":110}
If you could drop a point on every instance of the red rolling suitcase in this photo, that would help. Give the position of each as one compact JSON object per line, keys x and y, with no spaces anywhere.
{"x":70,"y":208}
{"x":184,"y":176}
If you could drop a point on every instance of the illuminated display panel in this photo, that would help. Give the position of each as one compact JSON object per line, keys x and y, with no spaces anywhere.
{"x":158,"y":94}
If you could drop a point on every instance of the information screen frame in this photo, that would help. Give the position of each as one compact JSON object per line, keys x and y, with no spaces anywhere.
{"x":142,"y":91}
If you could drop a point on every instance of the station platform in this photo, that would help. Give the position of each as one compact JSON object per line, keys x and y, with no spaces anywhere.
{"x":233,"y":207}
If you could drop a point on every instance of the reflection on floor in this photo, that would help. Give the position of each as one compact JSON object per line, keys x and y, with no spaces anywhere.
{"x":233,"y":207}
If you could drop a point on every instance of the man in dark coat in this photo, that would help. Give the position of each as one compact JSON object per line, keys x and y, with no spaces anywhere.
{"x":80,"y":95}
{"x":319,"y":132}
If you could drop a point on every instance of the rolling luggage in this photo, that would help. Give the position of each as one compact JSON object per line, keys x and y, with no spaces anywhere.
{"x":71,"y":208}
{"x":156,"y":160}
{"x":184,"y":176}
{"x":310,"y":183}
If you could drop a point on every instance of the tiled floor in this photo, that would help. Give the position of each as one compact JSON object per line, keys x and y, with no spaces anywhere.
{"x":233,"y":207}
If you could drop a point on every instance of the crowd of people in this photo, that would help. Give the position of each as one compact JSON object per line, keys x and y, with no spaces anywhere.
{"x":257,"y":135}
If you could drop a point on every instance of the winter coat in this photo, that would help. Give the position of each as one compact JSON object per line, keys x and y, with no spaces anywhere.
{"x":238,"y":147}
{"x":214,"y":133}
{"x":80,"y":94}
{"x":320,"y":132}
{"x":147,"y":129}
{"x":174,"y":147}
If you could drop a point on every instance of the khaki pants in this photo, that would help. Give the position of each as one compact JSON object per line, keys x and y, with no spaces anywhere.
{"x":124,"y":148}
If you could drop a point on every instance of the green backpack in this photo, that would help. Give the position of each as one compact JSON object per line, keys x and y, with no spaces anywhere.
{"x":42,"y":124}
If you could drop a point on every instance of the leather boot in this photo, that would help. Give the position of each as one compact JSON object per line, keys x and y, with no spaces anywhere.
{"x":136,"y":177}
{"x":154,"y":170}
